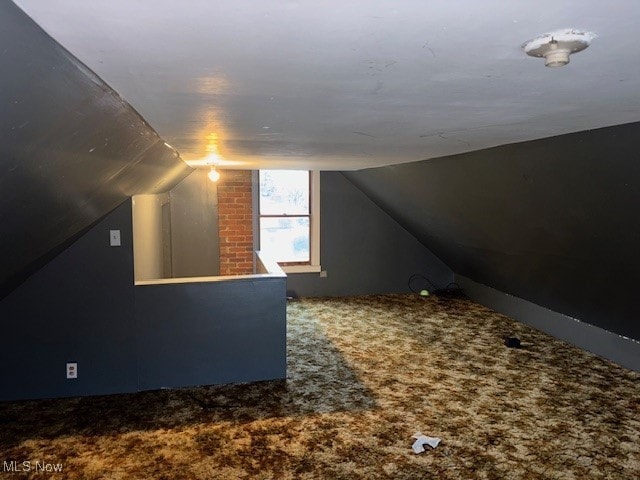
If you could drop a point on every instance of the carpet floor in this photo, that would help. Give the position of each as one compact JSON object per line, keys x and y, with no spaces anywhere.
{"x":364,"y":375}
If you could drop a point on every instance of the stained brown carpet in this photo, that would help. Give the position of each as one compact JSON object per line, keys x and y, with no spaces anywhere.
{"x":365,"y":374}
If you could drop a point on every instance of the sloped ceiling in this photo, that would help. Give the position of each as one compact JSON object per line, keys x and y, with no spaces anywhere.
{"x":553,"y":221}
{"x":71,"y":149}
{"x":342,"y":85}
{"x":352,"y":84}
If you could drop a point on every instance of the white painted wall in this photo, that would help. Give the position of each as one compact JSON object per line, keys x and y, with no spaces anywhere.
{"x":148,"y":236}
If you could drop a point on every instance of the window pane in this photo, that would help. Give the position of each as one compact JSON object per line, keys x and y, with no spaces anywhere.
{"x":286,"y":239}
{"x":284,"y":192}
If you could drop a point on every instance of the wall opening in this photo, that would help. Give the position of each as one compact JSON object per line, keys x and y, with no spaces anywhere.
{"x":197,"y":229}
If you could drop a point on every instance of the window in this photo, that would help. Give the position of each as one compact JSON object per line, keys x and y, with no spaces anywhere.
{"x":289,"y":218}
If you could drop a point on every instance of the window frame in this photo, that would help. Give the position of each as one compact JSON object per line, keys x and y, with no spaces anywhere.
{"x":313,"y":265}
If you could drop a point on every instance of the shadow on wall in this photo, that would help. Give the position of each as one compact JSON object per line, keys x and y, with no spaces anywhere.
{"x":199,"y":228}
{"x":175,"y":234}
{"x":72,"y":149}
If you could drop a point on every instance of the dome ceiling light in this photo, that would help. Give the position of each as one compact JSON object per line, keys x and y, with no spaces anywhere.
{"x":556,"y":46}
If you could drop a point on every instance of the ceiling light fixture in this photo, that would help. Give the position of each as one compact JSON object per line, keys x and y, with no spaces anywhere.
{"x":213,"y":174}
{"x":556,"y":46}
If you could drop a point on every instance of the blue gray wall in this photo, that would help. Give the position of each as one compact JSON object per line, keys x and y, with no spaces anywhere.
{"x":83,"y":307}
{"x":362,"y":249}
{"x":71,"y":149}
{"x":211,"y":333}
{"x":195,"y":243}
{"x":552,"y":221}
{"x":77,"y":308}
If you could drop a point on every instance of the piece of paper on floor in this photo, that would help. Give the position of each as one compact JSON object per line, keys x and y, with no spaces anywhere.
{"x":422,"y":440}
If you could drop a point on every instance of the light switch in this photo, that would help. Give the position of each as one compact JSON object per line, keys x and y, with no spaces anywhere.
{"x":114,"y":238}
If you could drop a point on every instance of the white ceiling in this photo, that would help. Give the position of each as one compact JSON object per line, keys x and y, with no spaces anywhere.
{"x":344,"y":84}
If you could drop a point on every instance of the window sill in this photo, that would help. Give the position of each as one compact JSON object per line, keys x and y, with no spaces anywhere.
{"x":301,"y":268}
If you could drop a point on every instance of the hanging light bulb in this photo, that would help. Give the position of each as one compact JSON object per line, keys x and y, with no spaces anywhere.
{"x":213,"y":174}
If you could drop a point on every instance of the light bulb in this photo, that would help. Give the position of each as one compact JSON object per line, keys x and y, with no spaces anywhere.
{"x":214,"y":175}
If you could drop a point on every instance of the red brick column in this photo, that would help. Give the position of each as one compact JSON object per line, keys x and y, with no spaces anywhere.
{"x":235,"y":222}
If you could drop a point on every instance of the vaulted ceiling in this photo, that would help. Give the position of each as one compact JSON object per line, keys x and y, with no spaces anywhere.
{"x":71,"y":150}
{"x":351,"y":84}
{"x":345,"y":86}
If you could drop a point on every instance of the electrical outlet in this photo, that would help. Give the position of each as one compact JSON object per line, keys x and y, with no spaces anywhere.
{"x":323,"y":274}
{"x":114,"y":238}
{"x":72,"y":370}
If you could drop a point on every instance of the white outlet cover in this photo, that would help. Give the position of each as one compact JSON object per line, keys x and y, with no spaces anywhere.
{"x":114,"y":238}
{"x":72,"y":370}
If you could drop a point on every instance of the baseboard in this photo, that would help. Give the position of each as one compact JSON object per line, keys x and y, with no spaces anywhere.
{"x":621,"y":350}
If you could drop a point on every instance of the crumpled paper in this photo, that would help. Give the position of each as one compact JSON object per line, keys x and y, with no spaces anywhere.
{"x":422,"y":440}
